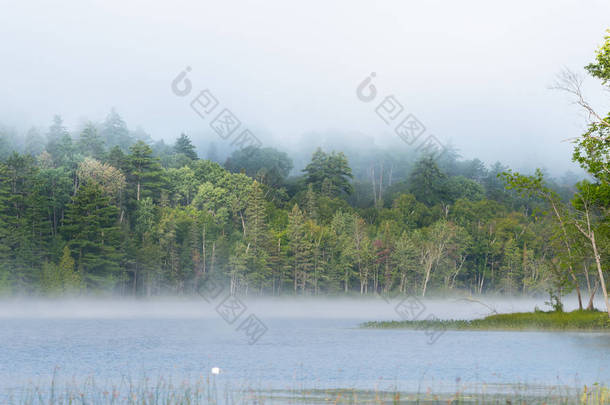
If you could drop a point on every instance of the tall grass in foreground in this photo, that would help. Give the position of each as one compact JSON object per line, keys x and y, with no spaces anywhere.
{"x":204,"y":391}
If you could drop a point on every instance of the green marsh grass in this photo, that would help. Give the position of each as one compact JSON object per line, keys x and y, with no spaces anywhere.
{"x":205,"y":392}
{"x":537,"y":320}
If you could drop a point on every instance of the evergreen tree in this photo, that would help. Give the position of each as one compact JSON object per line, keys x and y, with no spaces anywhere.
{"x":145,"y":175}
{"x":34,"y":142}
{"x":114,"y":131}
{"x":117,"y":158}
{"x":301,"y":250}
{"x":311,"y":203}
{"x":93,"y":235}
{"x":257,"y":235}
{"x":5,"y":197}
{"x":70,"y":279}
{"x":185,"y":146}
{"x":57,"y":140}
{"x":90,"y":143}
{"x":427,"y":182}
{"x":329,"y":173}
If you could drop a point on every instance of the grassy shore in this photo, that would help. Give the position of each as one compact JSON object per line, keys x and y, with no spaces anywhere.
{"x":204,"y":392}
{"x":537,"y":320}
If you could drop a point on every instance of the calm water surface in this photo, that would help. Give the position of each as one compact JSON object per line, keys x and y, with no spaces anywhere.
{"x":318,"y":348}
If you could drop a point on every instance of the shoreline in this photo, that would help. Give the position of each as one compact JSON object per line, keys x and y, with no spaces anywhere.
{"x":575,"y":321}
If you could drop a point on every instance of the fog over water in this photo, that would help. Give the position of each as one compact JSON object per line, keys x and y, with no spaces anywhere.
{"x":309,"y":344}
{"x":295,"y":308}
{"x":124,"y":172}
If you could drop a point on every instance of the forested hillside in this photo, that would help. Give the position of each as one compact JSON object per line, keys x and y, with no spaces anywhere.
{"x":103,"y":208}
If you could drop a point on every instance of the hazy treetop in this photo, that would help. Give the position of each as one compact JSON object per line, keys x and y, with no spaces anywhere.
{"x":475,"y":72}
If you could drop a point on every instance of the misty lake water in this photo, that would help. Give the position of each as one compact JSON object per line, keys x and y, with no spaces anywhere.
{"x":309,"y":344}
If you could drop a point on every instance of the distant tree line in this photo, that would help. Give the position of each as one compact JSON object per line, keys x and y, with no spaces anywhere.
{"x":105,"y":208}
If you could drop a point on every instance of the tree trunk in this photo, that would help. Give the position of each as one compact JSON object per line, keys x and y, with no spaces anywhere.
{"x":203,"y":251}
{"x":600,"y":271}
{"x":427,"y":278}
{"x":567,"y":244}
{"x":590,"y":306}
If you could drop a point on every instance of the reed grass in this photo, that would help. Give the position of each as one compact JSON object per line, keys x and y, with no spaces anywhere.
{"x":204,"y":391}
{"x":537,"y":320}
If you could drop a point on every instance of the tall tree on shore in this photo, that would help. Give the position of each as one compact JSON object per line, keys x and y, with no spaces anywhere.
{"x":534,"y":186}
{"x":592,"y":151}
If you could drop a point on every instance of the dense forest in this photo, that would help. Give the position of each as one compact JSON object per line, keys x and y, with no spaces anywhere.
{"x":102,"y":208}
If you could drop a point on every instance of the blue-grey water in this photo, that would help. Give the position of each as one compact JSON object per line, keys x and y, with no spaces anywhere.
{"x":307,"y":344}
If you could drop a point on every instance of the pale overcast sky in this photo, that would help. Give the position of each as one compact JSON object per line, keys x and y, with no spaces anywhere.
{"x":476,"y":73}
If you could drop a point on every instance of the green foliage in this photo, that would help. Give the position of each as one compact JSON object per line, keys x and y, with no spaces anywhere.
{"x":185,"y":147}
{"x":601,"y":67}
{"x":538,"y":320}
{"x":93,"y":235}
{"x":592,"y":150}
{"x":428,"y":183}
{"x":115,"y":133}
{"x":62,"y":278}
{"x":113,"y":211}
{"x":90,"y":143}
{"x":267,"y":165}
{"x":145,"y":173}
{"x":329,"y":174}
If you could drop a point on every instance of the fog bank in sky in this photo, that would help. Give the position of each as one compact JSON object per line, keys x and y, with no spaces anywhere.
{"x":476,"y":73}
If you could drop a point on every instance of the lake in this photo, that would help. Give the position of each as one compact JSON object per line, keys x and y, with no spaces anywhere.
{"x":307,"y":344}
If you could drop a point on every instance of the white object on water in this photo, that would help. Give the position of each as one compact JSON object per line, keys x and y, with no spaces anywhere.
{"x":215,"y":370}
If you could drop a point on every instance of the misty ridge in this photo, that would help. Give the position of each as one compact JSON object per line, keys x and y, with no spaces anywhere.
{"x":100,"y":208}
{"x":104,"y":209}
{"x":270,"y":202}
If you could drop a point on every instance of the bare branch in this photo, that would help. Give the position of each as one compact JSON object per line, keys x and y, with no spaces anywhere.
{"x":571,"y":83}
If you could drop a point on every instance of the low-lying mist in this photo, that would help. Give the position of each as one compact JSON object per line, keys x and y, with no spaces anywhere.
{"x":373,"y":308}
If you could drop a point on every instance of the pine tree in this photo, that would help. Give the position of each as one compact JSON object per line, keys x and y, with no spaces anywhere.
{"x":427,"y":182}
{"x":329,"y":173}
{"x":114,"y":131}
{"x":93,"y":235}
{"x":56,"y":136}
{"x":5,"y":194}
{"x":257,"y":235}
{"x":184,"y":145}
{"x":146,"y":174}
{"x":301,"y":249}
{"x":70,"y":279}
{"x":34,"y":142}
{"x":28,"y":230}
{"x":90,"y":143}
{"x":311,"y":203}
{"x":256,"y":228}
